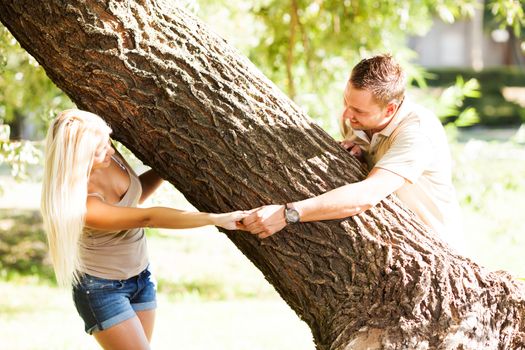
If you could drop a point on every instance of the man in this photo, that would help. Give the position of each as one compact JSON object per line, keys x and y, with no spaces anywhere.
{"x":405,"y":146}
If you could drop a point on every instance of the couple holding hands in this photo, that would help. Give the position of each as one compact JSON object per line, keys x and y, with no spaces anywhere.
{"x":95,"y":229}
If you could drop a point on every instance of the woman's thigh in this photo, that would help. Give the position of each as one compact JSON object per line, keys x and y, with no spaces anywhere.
{"x":127,"y":335}
{"x":147,"y":319}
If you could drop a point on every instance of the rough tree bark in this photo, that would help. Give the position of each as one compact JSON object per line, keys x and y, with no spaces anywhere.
{"x":207,"y":120}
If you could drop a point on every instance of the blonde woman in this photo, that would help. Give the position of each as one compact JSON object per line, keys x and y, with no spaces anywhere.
{"x":95,"y":231}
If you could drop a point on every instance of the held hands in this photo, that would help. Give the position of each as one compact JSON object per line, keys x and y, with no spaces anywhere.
{"x":265,"y":221}
{"x":231,"y":221}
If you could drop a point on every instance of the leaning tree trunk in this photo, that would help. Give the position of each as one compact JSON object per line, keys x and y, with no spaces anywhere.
{"x":207,"y":120}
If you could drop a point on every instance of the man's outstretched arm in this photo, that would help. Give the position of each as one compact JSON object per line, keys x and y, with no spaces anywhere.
{"x":338,"y":203}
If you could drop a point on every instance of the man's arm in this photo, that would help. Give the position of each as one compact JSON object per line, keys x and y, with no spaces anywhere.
{"x":350,"y":199}
{"x":339,"y":203}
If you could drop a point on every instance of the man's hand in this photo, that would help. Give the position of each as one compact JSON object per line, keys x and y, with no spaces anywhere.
{"x":265,"y":221}
{"x":354,"y":149}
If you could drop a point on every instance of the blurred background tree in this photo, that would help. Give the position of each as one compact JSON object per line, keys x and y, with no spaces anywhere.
{"x":308,"y":47}
{"x":305,"y":47}
{"x":28,"y":100}
{"x":506,"y":14}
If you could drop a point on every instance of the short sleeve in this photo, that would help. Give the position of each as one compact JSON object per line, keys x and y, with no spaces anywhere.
{"x":410,"y":153}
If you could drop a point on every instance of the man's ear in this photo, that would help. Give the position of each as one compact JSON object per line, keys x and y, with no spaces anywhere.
{"x":391,"y":108}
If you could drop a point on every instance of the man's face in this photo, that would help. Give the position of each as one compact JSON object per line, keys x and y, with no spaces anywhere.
{"x":361,"y":111}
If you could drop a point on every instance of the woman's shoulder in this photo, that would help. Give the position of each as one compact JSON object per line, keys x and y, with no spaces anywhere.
{"x":97,"y":184}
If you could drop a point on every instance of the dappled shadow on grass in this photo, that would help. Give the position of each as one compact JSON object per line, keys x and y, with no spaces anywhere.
{"x":23,"y":247}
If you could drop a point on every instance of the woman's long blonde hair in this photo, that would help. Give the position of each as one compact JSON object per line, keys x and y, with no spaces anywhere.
{"x":71,"y":142}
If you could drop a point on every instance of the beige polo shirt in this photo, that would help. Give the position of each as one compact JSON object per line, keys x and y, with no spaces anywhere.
{"x":414,"y":145}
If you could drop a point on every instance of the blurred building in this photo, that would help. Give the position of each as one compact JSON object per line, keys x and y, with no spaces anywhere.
{"x":478,"y":48}
{"x":469,"y":43}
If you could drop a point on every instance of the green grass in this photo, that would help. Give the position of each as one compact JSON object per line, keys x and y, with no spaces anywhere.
{"x":210,"y":297}
{"x":488,"y":176}
{"x":37,"y":317}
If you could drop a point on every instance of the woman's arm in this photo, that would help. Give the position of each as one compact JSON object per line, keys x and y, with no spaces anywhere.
{"x":103,"y":216}
{"x":150,"y":181}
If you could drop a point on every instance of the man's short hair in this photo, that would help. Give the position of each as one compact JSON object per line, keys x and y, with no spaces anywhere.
{"x":382,"y":76}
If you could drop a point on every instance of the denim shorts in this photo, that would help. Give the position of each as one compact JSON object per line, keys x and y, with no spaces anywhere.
{"x":103,"y":303}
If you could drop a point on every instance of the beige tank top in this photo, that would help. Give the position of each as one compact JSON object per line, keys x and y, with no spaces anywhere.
{"x":116,"y":255}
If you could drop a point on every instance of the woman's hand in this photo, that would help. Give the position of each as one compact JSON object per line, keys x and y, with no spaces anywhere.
{"x":230,"y":221}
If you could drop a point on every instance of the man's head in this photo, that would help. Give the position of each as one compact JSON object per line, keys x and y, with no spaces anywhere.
{"x":373,"y":93}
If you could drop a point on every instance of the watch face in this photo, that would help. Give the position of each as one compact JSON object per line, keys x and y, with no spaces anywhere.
{"x":292,"y":215}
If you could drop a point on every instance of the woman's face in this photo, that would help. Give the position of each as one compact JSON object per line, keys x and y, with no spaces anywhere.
{"x":103,"y":153}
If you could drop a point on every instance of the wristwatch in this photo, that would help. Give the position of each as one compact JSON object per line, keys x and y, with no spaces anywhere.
{"x":290,"y":214}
